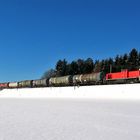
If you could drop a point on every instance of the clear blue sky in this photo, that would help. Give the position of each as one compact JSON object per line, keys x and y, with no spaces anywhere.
{"x":34,"y":34}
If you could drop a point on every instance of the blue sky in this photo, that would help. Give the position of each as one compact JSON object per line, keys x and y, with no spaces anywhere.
{"x":34,"y":34}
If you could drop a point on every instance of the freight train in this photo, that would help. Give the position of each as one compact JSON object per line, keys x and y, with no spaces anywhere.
{"x":99,"y":78}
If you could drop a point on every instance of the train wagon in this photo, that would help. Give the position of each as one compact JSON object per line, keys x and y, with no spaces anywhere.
{"x":13,"y":85}
{"x":77,"y":79}
{"x":24,"y":84}
{"x":40,"y":83}
{"x":3,"y":85}
{"x":87,"y":79}
{"x":92,"y":78}
{"x":61,"y":81}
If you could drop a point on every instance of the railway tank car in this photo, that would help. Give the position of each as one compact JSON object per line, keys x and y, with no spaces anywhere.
{"x":88,"y":79}
{"x":40,"y":83}
{"x":13,"y":85}
{"x":24,"y":84}
{"x":61,"y":81}
{"x":93,"y":78}
{"x":77,"y":79}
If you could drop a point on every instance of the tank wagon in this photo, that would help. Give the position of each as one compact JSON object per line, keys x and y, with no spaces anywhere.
{"x":24,"y":84}
{"x":13,"y":85}
{"x":81,"y":79}
{"x":93,"y":78}
{"x":87,"y":79}
{"x":40,"y":83}
{"x":77,"y":79}
{"x":61,"y":81}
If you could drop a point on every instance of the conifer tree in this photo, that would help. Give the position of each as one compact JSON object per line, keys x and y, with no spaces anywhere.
{"x":73,"y":69}
{"x":133,"y":59}
{"x":88,"y":68}
{"x":61,"y":67}
{"x":97,"y":67}
{"x":125,"y":61}
{"x":81,"y":65}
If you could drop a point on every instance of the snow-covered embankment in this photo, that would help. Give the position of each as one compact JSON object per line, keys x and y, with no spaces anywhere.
{"x":125,"y":91}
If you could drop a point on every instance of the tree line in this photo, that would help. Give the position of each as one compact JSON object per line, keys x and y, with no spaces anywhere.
{"x":130,"y":61}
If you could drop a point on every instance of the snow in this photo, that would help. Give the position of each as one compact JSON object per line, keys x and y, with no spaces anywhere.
{"x":117,"y":92}
{"x":86,"y":113}
{"x":68,"y":119}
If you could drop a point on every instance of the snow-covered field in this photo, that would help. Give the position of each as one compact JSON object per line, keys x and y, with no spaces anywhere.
{"x":63,"y":119}
{"x":113,"y":114}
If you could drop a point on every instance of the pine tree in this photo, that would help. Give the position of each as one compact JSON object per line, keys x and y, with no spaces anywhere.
{"x":88,"y":68}
{"x":139,"y":61}
{"x":61,"y":67}
{"x":73,"y":69}
{"x":125,"y":61}
{"x":97,"y":67}
{"x":81,"y":65}
{"x":133,"y":59}
{"x":117,"y":66}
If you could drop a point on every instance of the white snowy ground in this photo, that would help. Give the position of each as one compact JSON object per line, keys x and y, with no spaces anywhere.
{"x":89,"y":116}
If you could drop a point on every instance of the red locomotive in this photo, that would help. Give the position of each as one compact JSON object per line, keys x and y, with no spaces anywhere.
{"x":124,"y":76}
